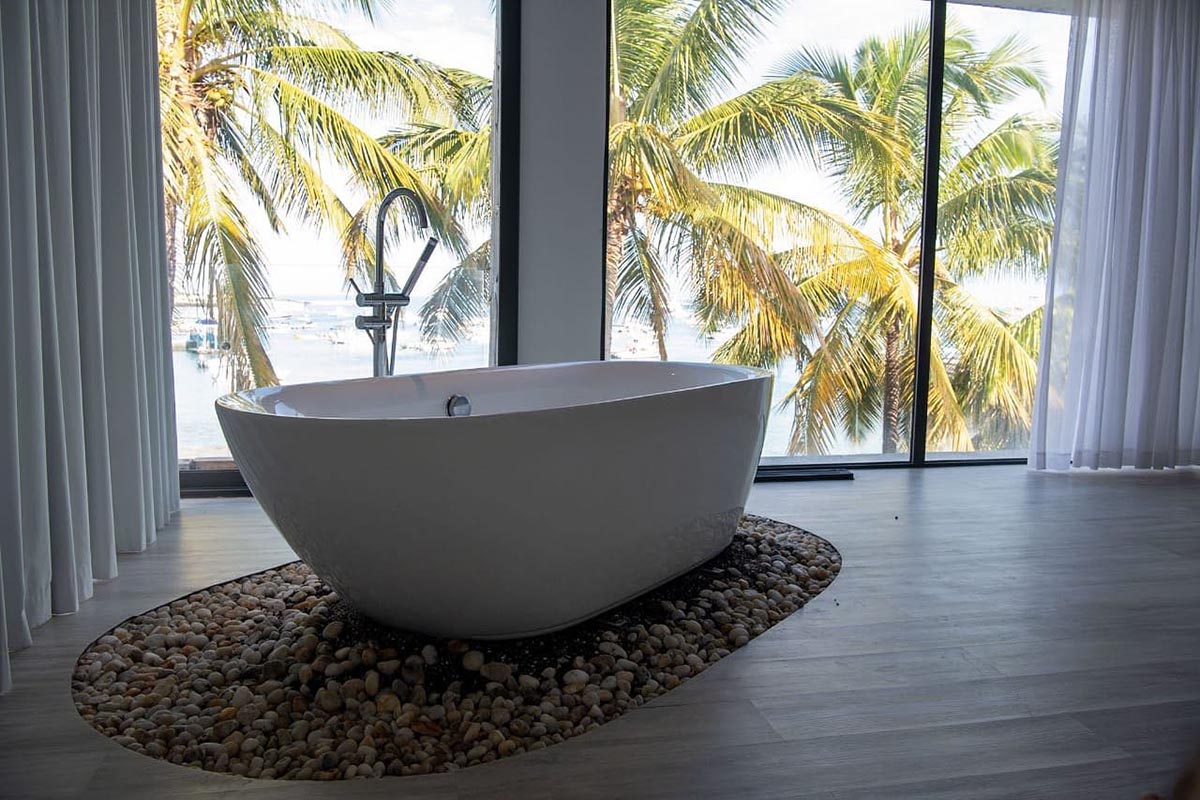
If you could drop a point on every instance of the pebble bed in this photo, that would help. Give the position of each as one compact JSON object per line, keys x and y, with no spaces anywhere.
{"x":273,"y":676}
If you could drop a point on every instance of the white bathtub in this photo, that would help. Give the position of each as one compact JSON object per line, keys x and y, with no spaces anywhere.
{"x":570,"y":489}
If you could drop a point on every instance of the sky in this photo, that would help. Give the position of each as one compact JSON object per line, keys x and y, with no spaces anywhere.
{"x":460,"y":33}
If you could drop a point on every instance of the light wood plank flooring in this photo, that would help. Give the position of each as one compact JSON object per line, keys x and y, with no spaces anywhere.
{"x":994,"y":634}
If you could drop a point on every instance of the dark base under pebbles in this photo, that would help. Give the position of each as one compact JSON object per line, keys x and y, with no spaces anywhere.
{"x":273,"y":676}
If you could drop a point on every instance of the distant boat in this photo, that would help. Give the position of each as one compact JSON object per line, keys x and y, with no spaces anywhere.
{"x":336,"y":335}
{"x":202,"y":338}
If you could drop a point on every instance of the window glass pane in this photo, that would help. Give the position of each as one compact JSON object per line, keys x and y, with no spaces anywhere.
{"x":1005,"y":71}
{"x":280,"y":137}
{"x":765,"y":201}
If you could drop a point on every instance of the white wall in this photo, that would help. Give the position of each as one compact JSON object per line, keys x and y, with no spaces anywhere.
{"x":564,"y":97}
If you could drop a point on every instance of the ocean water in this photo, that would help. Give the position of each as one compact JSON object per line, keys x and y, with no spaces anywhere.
{"x":302,"y":350}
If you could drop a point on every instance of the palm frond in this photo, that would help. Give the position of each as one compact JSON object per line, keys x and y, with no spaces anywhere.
{"x":701,"y":59}
{"x":237,"y":153}
{"x":1027,"y":330}
{"x":979,"y":81}
{"x":359,"y":81}
{"x":641,"y":158}
{"x":460,"y":298}
{"x":877,"y":166}
{"x":993,"y":371}
{"x":1018,"y":143}
{"x":762,"y":340}
{"x":839,"y":388}
{"x":297,"y":184}
{"x":472,"y":96}
{"x":1004,"y":223}
{"x":218,"y":243}
{"x":308,"y":122}
{"x":253,"y":30}
{"x":794,"y":118}
{"x":457,"y":163}
{"x":822,"y":236}
{"x":641,"y":291}
{"x":643,"y":33}
{"x":358,"y":246}
{"x":186,"y":16}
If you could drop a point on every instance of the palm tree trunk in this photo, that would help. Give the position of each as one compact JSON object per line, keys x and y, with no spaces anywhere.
{"x":891,"y":388}
{"x":617,"y":230}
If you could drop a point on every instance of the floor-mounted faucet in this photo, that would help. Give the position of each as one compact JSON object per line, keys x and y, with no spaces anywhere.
{"x":385,"y":305}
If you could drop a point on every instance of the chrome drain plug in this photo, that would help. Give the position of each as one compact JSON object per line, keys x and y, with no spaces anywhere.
{"x":459,"y":405}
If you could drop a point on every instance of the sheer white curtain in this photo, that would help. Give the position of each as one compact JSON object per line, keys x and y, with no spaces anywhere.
{"x":1119,"y":381}
{"x":88,"y":464}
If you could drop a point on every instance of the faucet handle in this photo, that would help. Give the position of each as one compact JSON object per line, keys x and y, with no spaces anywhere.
{"x":371,"y":323}
{"x":359,"y":299}
{"x":411,"y":283}
{"x":377,"y":300}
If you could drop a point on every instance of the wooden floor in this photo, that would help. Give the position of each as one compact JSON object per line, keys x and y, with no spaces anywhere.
{"x":994,"y":634}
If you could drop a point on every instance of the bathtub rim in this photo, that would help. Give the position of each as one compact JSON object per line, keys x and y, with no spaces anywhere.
{"x":243,"y":401}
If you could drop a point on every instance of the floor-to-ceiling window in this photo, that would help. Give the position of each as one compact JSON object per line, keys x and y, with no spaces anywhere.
{"x":767,"y":187}
{"x":1003,"y":94}
{"x":282,"y":130}
{"x":767,"y":194}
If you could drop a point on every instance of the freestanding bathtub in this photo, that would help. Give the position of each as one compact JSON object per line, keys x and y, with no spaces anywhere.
{"x":569,"y":488}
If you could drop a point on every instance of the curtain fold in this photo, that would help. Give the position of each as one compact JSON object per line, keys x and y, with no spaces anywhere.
{"x":88,"y":464}
{"x":1119,"y":377}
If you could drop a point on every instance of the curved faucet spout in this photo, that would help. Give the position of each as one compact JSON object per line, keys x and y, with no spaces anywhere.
{"x":381,"y":217}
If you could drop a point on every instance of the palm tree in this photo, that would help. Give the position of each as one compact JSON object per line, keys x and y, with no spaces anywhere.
{"x":995,"y":217}
{"x":258,"y":102}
